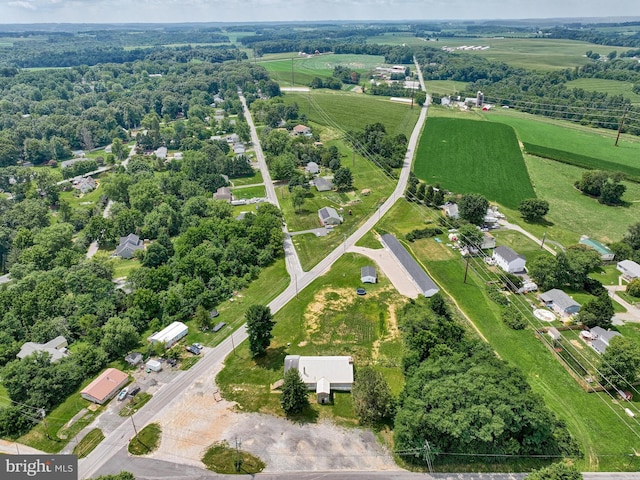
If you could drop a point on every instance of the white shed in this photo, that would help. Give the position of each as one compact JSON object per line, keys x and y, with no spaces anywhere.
{"x":368,"y":274}
{"x":154,"y":365}
{"x":170,"y":335}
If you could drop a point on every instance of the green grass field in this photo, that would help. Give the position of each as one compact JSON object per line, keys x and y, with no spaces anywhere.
{"x":303,"y":69}
{"x":352,"y":111}
{"x":88,"y":443}
{"x":533,"y":53}
{"x":612,"y":87}
{"x":5,"y":401}
{"x":249,"y":192}
{"x":444,"y":87}
{"x":473,"y":157}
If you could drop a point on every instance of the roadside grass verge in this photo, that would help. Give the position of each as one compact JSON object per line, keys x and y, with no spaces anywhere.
{"x":88,"y":443}
{"x":221,"y":458}
{"x":327,"y":318}
{"x":473,"y":157}
{"x":249,"y":192}
{"x":187,"y":362}
{"x":147,"y":440}
{"x":272,"y":281}
{"x":135,"y":404}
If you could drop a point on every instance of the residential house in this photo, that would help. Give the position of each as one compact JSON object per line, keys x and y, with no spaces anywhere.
{"x":128,"y":246}
{"x":238,"y":148}
{"x":323,"y":374}
{"x":560,"y":302}
{"x":312,"y":168}
{"x":329,"y":216}
{"x":223,"y":193}
{"x":425,"y":285}
{"x":56,"y":348}
{"x":368,"y":274}
{"x":606,"y":254}
{"x":322,"y":184}
{"x":105,"y":386}
{"x":601,"y":338}
{"x":170,"y":334}
{"x":161,"y":153}
{"x":508,"y":260}
{"x":85,"y":185}
{"x":232,"y":138}
{"x":73,"y":161}
{"x":133,"y":358}
{"x":488,"y":241}
{"x":302,"y":130}
{"x":630,"y":270}
{"x":451,"y":210}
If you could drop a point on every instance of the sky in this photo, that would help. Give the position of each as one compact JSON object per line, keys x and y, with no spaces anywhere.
{"x":171,"y":11}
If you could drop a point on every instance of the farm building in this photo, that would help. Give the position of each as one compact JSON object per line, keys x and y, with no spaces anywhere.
{"x":323,"y":374}
{"x":630,"y":270}
{"x":329,"y":216}
{"x":508,"y":260}
{"x":128,"y":246}
{"x":105,"y":386}
{"x":169,"y":335}
{"x":606,"y":254}
{"x":560,"y":302}
{"x":312,"y":168}
{"x":451,"y":210}
{"x":425,"y":285}
{"x":323,"y":185}
{"x":223,"y":193}
{"x":601,"y":338}
{"x":153,"y":365}
{"x":368,"y":274}
{"x":302,"y":130}
{"x":57,"y":348}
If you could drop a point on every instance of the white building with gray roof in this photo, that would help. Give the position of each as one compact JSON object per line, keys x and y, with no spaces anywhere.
{"x":425,"y":285}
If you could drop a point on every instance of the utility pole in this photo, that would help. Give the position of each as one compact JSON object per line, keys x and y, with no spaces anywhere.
{"x":466,"y":270}
{"x":427,"y":455}
{"x":544,"y":236}
{"x":134,"y":426}
{"x":43,"y":415}
{"x":624,"y":114}
{"x":238,"y":461}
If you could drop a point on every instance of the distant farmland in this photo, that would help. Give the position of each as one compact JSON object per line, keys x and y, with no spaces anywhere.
{"x":466,"y":156}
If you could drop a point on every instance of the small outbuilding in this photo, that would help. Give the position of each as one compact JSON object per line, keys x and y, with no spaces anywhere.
{"x":368,"y":274}
{"x":451,"y":210}
{"x":105,"y":386}
{"x":560,"y":302}
{"x":153,"y":365}
{"x":133,"y":358}
{"x":312,"y":168}
{"x":554,"y":333}
{"x":223,"y":193}
{"x":323,"y":185}
{"x":606,"y":254}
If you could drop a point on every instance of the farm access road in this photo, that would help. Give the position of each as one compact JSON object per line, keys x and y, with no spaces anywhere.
{"x":99,"y":460}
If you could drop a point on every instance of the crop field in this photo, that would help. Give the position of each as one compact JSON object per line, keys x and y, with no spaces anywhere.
{"x":352,"y":111}
{"x":611,"y":87}
{"x":534,"y":53}
{"x":467,"y":156}
{"x":306,"y":68}
{"x":570,"y":137}
{"x":398,"y":38}
{"x":593,"y":419}
{"x":444,"y":87}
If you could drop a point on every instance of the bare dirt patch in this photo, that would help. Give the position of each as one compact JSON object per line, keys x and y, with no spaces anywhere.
{"x":326,"y":299}
{"x":577,"y":344}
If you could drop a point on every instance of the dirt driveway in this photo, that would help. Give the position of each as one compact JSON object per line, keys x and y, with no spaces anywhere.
{"x":198,"y":420}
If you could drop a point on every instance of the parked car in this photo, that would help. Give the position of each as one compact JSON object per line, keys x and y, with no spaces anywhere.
{"x":194,"y":350}
{"x":123,"y":394}
{"x":172,"y":361}
{"x":134,"y":391}
{"x":198,"y":346}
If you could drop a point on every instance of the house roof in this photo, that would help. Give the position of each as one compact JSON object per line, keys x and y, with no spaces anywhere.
{"x":129,"y":244}
{"x":323,"y":185}
{"x":301,"y":129}
{"x":106,"y":383}
{"x":133,"y":358}
{"x":368,"y":271}
{"x":335,"y":369}
{"x":169,"y":333}
{"x":52,"y":347}
{"x":630,"y":267}
{"x":223,"y":193}
{"x":559,"y":299}
{"x":596,"y":245}
{"x":328,"y":212}
{"x":312,"y":167}
{"x":603,"y":335}
{"x":508,"y":254}
{"x":451,"y":209}
{"x":424,"y":282}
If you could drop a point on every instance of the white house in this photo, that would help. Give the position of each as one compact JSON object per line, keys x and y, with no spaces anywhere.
{"x":508,"y":260}
{"x":630,"y":270}
{"x":170,"y":334}
{"x":451,"y":210}
{"x":312,"y":168}
{"x":323,"y":374}
{"x":560,"y":302}
{"x":601,"y":338}
{"x":329,"y":216}
{"x":368,"y":274}
{"x":56,"y":348}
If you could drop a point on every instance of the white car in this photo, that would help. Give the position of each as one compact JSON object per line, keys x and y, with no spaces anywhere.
{"x":123,"y":394}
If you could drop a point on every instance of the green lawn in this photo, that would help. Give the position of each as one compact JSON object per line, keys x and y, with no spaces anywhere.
{"x":221,"y":458}
{"x":88,"y":443}
{"x":327,"y":318}
{"x":591,"y":418}
{"x":444,"y":87}
{"x":77,"y":199}
{"x":257,"y":191}
{"x":353,"y":111}
{"x":147,"y":440}
{"x":5,"y":401}
{"x":467,"y":156}
{"x":611,"y":87}
{"x":123,"y":267}
{"x":302,"y":69}
{"x":253,"y":179}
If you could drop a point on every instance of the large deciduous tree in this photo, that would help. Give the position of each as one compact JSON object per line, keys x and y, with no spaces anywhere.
{"x":470,"y":236}
{"x":597,"y":312}
{"x":343,"y":179}
{"x":372,"y":399}
{"x":556,"y":471}
{"x":620,"y":363}
{"x":533,"y":209}
{"x":473,"y":208}
{"x":294,"y":398}
{"x":259,"y":326}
